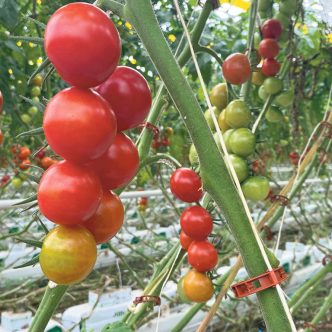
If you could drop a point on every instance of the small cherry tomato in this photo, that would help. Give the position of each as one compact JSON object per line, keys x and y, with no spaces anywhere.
{"x":68,"y":254}
{"x":169,"y":131}
{"x":274,"y":115}
{"x":202,"y":256}
{"x":119,"y":164}
{"x":17,"y":183}
{"x":256,"y":188}
{"x":47,"y":162}
{"x":268,"y":48}
{"x":33,"y":110}
{"x":25,"y":164}
{"x":26,"y":118}
{"x":1,"y":137}
{"x":41,"y":154}
{"x":185,"y":240}
{"x":83,"y":44}
{"x":165,"y":142}
{"x":242,"y":142}
{"x":223,"y":125}
{"x":181,"y":292}
{"x":271,"y":29}
{"x":262,"y":94}
{"x":108,"y":219}
{"x":69,"y":194}
{"x":1,"y":102}
{"x":79,"y":124}
{"x":219,"y":96}
{"x":196,"y":222}
{"x":143,"y":201}
{"x":257,"y":77}
{"x":226,"y":136}
{"x":129,"y":95}
{"x":237,"y":114}
{"x":270,"y":67}
{"x":236,"y":68}
{"x":35,"y":91}
{"x":186,"y":185}
{"x":37,"y":80}
{"x":24,"y":153}
{"x":240,"y":166}
{"x":197,"y":286}
{"x":272,"y":85}
{"x":284,"y":99}
{"x":208,"y":117}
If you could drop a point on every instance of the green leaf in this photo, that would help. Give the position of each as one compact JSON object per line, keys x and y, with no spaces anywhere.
{"x":32,"y":242}
{"x":32,"y":261}
{"x":8,"y":13}
{"x":116,"y":327}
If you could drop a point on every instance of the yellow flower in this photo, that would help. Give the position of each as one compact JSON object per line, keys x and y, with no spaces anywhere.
{"x":243,"y":4}
{"x":329,"y":38}
{"x":30,"y":62}
{"x":132,"y":60}
{"x":39,"y":2}
{"x":120,"y":23}
{"x":172,"y":38}
{"x":128,"y":25}
{"x":19,"y":43}
{"x":10,"y":71}
{"x":39,"y":61}
{"x":31,"y":44}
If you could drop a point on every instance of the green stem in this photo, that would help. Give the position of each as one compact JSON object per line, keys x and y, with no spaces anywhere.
{"x":216,"y":178}
{"x":47,"y":307}
{"x":114,"y":6}
{"x":159,"y":158}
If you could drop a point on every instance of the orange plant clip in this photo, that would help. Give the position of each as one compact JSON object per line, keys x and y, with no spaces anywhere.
{"x":257,"y":284}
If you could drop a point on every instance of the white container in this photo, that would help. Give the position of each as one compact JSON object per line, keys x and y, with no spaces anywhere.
{"x":15,"y":321}
{"x":114,"y":297}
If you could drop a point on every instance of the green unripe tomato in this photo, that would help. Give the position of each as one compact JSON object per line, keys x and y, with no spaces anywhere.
{"x":237,"y":114}
{"x":222,"y":122}
{"x":240,"y":166}
{"x":36,"y":99}
{"x":33,"y":110}
{"x":242,"y":142}
{"x":272,"y":85}
{"x":262,"y":93}
{"x":283,"y":19}
{"x":264,"y":5}
{"x":257,"y":78}
{"x":274,"y":115}
{"x":26,"y":118}
{"x":182,"y":295}
{"x":226,"y":136}
{"x":288,"y":7}
{"x":17,"y":183}
{"x":35,"y":91}
{"x":283,"y":142}
{"x":209,"y":119}
{"x":256,"y":188}
{"x":193,"y":156}
{"x":284,"y":99}
{"x":284,"y":37}
{"x":219,"y":96}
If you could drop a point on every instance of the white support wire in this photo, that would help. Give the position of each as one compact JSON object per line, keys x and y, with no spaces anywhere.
{"x":231,"y":168}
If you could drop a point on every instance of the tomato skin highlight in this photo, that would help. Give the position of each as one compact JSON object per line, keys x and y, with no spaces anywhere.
{"x":186,"y":185}
{"x":83,"y":44}
{"x":118,"y":165}
{"x":196,"y":222}
{"x":268,"y":48}
{"x":202,"y":256}
{"x":197,"y":286}
{"x":185,"y":240}
{"x":68,"y":194}
{"x":79,"y":125}
{"x":128,"y":93}
{"x":236,"y":68}
{"x":270,"y":67}
{"x":68,"y":254}
{"x":108,"y":219}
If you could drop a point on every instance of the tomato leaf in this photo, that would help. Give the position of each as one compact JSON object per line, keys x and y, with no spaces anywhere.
{"x":116,"y":327}
{"x":8,"y":13}
{"x":34,"y":243}
{"x":32,"y":261}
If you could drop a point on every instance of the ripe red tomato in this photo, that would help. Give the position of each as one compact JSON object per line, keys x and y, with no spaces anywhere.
{"x":24,"y":153}
{"x":25,"y":164}
{"x":119,"y":164}
{"x":129,"y":95}
{"x":202,"y":256}
{"x":185,"y":240}
{"x":236,"y":68}
{"x":196,"y":222}
{"x":186,"y":185}
{"x":41,"y":154}
{"x":271,"y":29}
{"x":108,"y":219}
{"x":1,"y":137}
{"x":79,"y":125}
{"x":268,"y":48}
{"x":47,"y":162}
{"x":69,"y":194}
{"x":83,"y":44}
{"x":1,"y":102}
{"x":197,"y":286}
{"x":68,"y":254}
{"x":270,"y":67}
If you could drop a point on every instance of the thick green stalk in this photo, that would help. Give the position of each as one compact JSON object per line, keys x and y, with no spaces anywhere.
{"x":216,"y":178}
{"x":47,"y":307}
{"x":322,"y":312}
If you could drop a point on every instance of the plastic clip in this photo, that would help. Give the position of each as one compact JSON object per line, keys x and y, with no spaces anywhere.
{"x":257,"y":284}
{"x":283,"y":200}
{"x":152,"y":127}
{"x":147,"y":298}
{"x":328,"y":126}
{"x":326,"y":258}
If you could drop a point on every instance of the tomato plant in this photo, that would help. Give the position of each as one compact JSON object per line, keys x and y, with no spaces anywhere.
{"x":185,"y":240}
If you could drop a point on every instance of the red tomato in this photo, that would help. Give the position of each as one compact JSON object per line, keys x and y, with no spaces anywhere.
{"x":69,"y":194}
{"x":108,"y":219}
{"x":119,"y":164}
{"x":236,"y":68}
{"x":83,"y":44}
{"x":271,"y":29}
{"x":41,"y":154}
{"x":24,"y":153}
{"x":129,"y":95}
{"x":1,"y":102}
{"x":202,"y":256}
{"x":185,"y":240}
{"x":1,"y":137}
{"x":268,"y":48}
{"x":47,"y":162}
{"x":143,"y":201}
{"x":68,"y":254}
{"x":196,"y":222}
{"x":79,"y":125}
{"x":186,"y":185}
{"x":270,"y":67}
{"x":25,"y":164}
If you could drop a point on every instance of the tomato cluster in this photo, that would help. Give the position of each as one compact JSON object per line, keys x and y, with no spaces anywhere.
{"x":196,"y":226}
{"x":162,"y":139}
{"x":83,"y":124}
